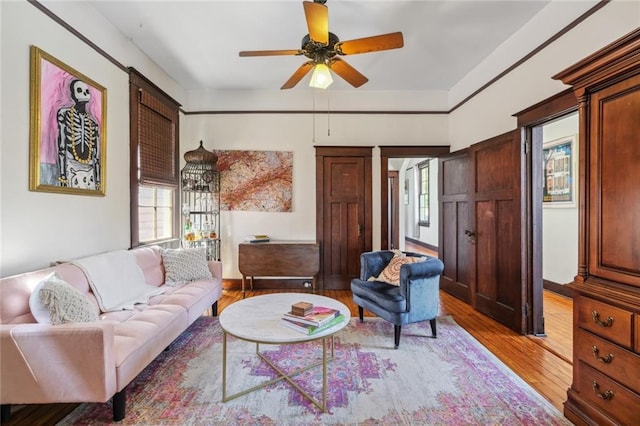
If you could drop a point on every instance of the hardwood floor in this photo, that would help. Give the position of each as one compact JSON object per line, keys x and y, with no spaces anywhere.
{"x":548,"y":367}
{"x":544,"y":363}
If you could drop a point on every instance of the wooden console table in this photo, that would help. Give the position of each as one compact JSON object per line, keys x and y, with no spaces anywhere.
{"x":279,"y":259}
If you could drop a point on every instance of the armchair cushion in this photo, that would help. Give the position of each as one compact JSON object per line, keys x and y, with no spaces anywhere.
{"x":386,"y":296}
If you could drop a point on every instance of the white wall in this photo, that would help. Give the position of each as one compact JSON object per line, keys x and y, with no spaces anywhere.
{"x":294,"y":132}
{"x":37,"y":228}
{"x":560,"y":224}
{"x":332,"y":99}
{"x":428,"y":235}
{"x":548,"y":22}
{"x":408,"y":211}
{"x":490,"y":113}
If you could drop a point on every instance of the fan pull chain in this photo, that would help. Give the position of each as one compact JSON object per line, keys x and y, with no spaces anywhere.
{"x":313,"y":138}
{"x":328,"y":114}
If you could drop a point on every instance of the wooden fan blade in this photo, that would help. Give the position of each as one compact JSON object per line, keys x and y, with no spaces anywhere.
{"x":347,"y":72}
{"x":269,"y":52}
{"x":370,"y":44}
{"x":317,"y":21}
{"x":298,"y":75}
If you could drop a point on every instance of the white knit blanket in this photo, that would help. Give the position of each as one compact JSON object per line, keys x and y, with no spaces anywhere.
{"x":116,"y":280}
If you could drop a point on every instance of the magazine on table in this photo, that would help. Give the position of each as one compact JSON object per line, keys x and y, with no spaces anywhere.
{"x":311,"y":329}
{"x":257,"y":238}
{"x":318,"y":316}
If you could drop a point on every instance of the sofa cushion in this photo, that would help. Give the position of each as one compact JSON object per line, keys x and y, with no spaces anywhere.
{"x":391,"y":273}
{"x":64,"y":302}
{"x":185,"y":264}
{"x":140,"y":339}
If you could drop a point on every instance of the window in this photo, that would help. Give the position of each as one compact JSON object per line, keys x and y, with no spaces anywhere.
{"x":155,"y":213}
{"x":423,"y":195}
{"x":154,"y":163}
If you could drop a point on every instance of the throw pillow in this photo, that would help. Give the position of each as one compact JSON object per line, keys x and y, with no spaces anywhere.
{"x":391,"y":273}
{"x":64,"y":302}
{"x":38,"y":310}
{"x":187,"y":264}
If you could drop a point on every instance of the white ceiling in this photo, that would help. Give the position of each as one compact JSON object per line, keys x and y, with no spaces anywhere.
{"x":197,"y":42}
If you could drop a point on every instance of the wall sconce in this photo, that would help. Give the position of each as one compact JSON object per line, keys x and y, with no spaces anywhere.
{"x":321,"y":77}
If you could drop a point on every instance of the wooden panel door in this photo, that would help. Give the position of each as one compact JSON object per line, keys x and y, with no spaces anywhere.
{"x":454,"y":244}
{"x":497,"y":221}
{"x":344,"y":213}
{"x":614,"y":184}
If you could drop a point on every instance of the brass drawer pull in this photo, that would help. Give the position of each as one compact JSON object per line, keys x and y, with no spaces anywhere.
{"x":607,"y":395}
{"x":597,"y":320}
{"x":606,"y":359}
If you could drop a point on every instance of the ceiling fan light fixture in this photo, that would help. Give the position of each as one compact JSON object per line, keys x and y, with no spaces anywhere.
{"x":321,"y":77}
{"x":322,"y":47}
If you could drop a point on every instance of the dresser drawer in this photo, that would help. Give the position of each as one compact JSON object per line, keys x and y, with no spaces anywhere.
{"x":609,"y":396}
{"x":612,"y":360}
{"x":605,"y":320}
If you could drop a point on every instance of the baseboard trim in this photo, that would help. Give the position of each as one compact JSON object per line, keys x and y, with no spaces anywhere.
{"x":421,"y":244}
{"x":557,"y":288}
{"x":268,"y":284}
{"x":299,"y":283}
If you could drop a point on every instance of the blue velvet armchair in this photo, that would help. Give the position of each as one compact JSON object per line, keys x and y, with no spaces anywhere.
{"x":415,"y":299}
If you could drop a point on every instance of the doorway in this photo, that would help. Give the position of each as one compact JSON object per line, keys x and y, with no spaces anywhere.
{"x":413,"y":203}
{"x":554,"y":143}
{"x":395,"y":155}
{"x":531,"y":123}
{"x":560,"y":201}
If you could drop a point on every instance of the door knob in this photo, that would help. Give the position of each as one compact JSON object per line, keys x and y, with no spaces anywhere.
{"x":471,"y":236}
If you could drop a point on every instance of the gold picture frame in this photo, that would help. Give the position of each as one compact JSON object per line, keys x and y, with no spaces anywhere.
{"x":68,"y":112}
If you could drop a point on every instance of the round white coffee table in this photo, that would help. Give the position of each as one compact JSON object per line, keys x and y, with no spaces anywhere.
{"x":259,"y":319}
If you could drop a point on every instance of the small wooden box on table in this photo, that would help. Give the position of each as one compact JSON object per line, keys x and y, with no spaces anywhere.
{"x":284,"y":258}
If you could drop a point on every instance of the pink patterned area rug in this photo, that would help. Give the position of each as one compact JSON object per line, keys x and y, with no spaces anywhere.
{"x":451,"y":380}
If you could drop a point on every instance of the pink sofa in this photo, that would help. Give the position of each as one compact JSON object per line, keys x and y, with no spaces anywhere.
{"x":92,"y":361}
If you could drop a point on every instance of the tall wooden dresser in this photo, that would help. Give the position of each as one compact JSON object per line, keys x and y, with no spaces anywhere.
{"x":606,"y":318}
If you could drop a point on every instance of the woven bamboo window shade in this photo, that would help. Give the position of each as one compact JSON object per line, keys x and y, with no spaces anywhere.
{"x":157,"y":141}
{"x":154,"y":133}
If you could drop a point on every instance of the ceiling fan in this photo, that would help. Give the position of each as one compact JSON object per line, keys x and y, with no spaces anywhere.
{"x":323,"y":48}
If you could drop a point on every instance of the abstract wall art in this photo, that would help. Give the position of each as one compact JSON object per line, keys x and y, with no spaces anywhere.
{"x":255,"y":180}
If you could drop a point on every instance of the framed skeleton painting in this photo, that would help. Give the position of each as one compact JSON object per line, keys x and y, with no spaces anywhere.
{"x":68,"y":129}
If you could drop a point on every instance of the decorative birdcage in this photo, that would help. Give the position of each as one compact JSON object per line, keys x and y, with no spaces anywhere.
{"x":200,"y":190}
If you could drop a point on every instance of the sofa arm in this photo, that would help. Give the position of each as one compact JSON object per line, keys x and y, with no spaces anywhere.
{"x":43,"y":363}
{"x":215,"y":266}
